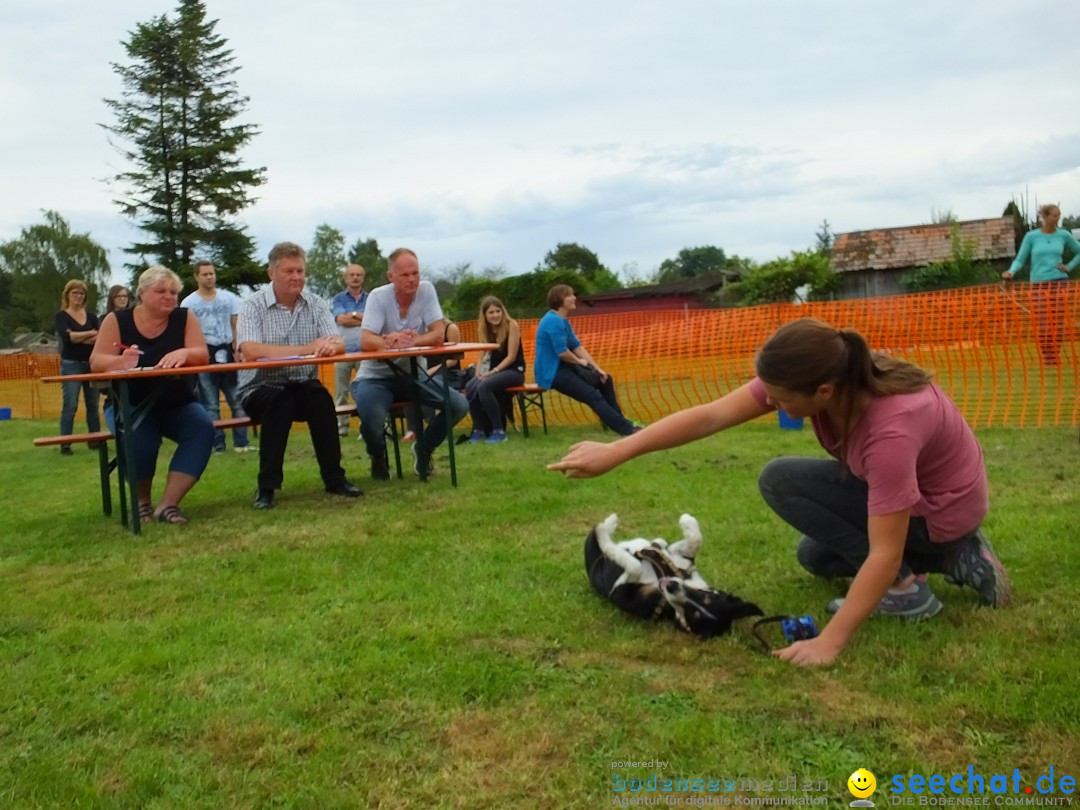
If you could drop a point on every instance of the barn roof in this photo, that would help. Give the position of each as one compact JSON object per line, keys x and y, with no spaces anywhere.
{"x":920,"y":245}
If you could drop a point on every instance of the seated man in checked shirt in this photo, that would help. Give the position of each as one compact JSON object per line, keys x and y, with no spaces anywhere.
{"x":281,"y":320}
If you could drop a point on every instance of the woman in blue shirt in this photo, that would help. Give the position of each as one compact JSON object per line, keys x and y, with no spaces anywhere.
{"x":1045,"y":248}
{"x":559,"y":353}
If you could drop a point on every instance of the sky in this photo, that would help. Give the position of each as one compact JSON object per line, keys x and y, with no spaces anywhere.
{"x":487,"y":131}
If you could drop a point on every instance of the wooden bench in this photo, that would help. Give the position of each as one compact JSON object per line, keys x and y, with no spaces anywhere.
{"x":106,"y":465}
{"x":530,"y":397}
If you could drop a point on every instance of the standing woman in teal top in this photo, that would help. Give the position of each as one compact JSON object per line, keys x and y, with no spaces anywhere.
{"x":1045,"y":248}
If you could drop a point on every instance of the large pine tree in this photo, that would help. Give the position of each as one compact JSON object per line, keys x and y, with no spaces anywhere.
{"x":176,"y":125}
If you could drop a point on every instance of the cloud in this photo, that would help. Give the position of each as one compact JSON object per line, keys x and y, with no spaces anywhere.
{"x":487,"y":133}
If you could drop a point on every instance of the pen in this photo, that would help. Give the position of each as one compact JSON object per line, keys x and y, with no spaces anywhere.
{"x":124,"y":347}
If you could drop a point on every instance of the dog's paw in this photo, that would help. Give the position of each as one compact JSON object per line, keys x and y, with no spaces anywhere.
{"x":690,"y":529}
{"x":690,"y":544}
{"x":609,"y":524}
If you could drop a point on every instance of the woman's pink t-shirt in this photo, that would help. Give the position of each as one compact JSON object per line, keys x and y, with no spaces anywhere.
{"x":916,"y":452}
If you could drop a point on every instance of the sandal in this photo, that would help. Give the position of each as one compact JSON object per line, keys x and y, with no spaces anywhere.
{"x":146,"y":512}
{"x":173,"y":515}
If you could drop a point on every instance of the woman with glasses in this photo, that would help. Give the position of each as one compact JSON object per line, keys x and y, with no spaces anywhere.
{"x":119,"y":297}
{"x":76,"y":329}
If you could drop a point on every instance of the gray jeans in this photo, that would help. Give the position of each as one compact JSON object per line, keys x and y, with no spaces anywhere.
{"x":828,"y":504}
{"x":343,"y":376}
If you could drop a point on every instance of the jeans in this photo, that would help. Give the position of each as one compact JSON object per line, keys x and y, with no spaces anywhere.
{"x":211,"y":386}
{"x":343,"y":374}
{"x":602,"y":400}
{"x":487,"y":397}
{"x":276,"y":408}
{"x":375,"y":396}
{"x":819,"y":498}
{"x":189,"y":426}
{"x":1048,"y":305}
{"x":71,"y":398}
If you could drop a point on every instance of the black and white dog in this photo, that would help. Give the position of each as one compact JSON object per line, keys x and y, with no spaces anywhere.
{"x":652,"y":579}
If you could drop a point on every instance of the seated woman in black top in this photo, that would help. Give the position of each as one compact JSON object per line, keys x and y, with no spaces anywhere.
{"x":500,"y":369}
{"x":158,"y":334}
{"x":76,"y":329}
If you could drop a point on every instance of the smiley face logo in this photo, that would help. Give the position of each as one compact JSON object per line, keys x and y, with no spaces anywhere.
{"x":861,"y":783}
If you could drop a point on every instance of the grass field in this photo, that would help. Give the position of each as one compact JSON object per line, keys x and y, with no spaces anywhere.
{"x":432,"y":647}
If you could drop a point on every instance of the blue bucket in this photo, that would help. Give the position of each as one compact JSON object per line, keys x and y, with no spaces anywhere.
{"x":787,"y":423}
{"x":5,"y":414}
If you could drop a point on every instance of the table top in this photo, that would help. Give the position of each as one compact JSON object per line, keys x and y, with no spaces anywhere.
{"x":306,"y":360}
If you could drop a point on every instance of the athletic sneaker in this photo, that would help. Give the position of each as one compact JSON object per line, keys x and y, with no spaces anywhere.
{"x":915,"y":602}
{"x":246,"y":448}
{"x":496,"y":437}
{"x":978,"y":567}
{"x":421,"y":468}
{"x":476,"y":437}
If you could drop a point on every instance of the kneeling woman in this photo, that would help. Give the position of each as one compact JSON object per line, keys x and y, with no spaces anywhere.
{"x":564,"y":365}
{"x":156,"y":333}
{"x":903,"y":495}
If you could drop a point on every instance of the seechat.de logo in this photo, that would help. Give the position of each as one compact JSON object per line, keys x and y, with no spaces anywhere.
{"x":1052,"y":787}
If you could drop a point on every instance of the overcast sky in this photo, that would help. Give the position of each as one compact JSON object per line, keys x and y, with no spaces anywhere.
{"x":487,"y":131}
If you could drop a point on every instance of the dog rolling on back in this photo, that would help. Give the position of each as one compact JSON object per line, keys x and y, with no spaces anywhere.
{"x":654,"y":579}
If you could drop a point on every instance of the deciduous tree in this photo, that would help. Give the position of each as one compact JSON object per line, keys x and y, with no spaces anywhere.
{"x":326,"y":261}
{"x":695,"y":262}
{"x":579,"y":259}
{"x":780,"y":279}
{"x":366,"y":253}
{"x":36,"y":266}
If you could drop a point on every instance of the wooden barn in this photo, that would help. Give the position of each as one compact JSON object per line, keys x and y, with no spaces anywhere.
{"x":872,"y":262}
{"x":689,"y":293}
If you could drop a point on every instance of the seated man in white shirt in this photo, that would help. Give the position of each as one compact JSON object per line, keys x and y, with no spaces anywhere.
{"x":400,"y":315}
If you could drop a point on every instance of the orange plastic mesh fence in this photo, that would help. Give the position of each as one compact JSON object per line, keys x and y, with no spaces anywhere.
{"x":985,"y":345}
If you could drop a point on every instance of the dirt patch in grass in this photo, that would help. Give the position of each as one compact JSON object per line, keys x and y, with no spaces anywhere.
{"x":252,"y":744}
{"x":494,"y":758}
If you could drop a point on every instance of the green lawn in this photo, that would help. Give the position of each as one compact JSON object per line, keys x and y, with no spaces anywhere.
{"x":432,"y":647}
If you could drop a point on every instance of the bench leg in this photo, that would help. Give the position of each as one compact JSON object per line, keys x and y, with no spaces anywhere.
{"x":105,"y":468}
{"x":524,"y":415}
{"x":390,"y":431}
{"x":543,"y":413}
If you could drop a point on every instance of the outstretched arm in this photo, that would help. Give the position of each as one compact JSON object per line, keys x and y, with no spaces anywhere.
{"x":588,"y":459}
{"x":888,"y":533}
{"x":1021,"y":257}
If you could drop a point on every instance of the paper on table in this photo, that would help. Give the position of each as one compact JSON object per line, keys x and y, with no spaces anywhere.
{"x":289,"y":357}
